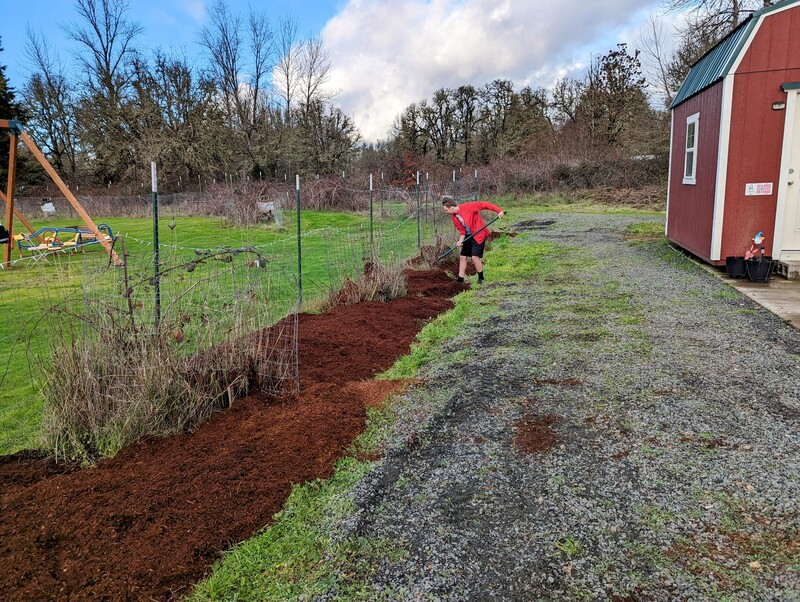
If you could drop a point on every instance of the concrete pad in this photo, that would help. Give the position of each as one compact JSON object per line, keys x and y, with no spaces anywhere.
{"x":780,"y":296}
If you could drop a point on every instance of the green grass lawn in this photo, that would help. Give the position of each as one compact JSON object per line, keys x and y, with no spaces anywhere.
{"x":334,"y":246}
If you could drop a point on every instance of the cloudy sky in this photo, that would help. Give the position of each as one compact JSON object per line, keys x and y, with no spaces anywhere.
{"x":385,"y":54}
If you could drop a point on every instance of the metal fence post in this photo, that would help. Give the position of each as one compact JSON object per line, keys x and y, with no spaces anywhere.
{"x":371,"y":239}
{"x":419,"y":225}
{"x":455,"y":198}
{"x":156,"y":258}
{"x":427,"y":201}
{"x":299,"y":245}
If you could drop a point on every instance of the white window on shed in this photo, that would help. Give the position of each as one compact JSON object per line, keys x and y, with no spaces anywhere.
{"x":690,"y":156}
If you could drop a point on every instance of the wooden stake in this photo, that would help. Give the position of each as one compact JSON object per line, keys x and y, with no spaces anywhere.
{"x":12,"y":173}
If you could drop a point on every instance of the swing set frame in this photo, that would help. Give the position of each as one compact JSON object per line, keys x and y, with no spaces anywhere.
{"x":16,"y":134}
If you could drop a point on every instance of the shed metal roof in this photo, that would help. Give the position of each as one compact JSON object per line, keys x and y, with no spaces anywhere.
{"x":717,"y":62}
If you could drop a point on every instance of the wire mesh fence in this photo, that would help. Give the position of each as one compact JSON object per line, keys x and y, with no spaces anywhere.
{"x":93,"y":345}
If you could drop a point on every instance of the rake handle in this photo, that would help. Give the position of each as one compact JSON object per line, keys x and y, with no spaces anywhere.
{"x":446,"y":253}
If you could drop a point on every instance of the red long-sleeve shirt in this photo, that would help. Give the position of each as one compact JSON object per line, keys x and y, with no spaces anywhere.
{"x":470,"y":212}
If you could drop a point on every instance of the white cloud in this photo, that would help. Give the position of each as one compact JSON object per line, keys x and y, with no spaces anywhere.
{"x":196,"y":9}
{"x":386,"y":54}
{"x":174,"y":14}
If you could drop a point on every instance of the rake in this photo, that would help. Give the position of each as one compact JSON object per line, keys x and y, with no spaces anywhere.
{"x":446,"y":253}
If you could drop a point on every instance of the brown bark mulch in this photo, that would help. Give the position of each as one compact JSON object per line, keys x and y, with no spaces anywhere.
{"x":150,"y":522}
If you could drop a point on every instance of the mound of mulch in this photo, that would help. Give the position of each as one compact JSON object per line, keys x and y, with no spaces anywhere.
{"x":149,"y":523}
{"x":535,"y":434}
{"x":646,"y":197}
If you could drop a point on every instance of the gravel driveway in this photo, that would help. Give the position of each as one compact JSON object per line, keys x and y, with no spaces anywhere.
{"x":622,"y":427}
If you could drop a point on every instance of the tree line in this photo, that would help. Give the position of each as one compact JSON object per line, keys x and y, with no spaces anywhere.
{"x":616,"y":115}
{"x":467,"y":125}
{"x":129,"y":107}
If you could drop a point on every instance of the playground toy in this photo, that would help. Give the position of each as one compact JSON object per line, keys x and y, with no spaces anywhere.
{"x":16,"y":133}
{"x":53,"y":239}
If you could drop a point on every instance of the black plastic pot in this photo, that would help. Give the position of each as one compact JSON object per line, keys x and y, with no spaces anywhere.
{"x":759,"y":269}
{"x":735,"y":267}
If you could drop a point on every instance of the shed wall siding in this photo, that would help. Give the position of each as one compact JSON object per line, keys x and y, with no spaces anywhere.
{"x":691,"y":207}
{"x":756,"y":131}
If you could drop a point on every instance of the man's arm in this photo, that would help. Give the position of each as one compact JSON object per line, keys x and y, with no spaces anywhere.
{"x":490,"y":206}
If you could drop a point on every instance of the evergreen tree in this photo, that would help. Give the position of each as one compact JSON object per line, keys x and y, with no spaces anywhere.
{"x":9,"y":109}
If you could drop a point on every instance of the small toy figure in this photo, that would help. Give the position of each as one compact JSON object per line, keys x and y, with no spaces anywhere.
{"x":756,"y":247}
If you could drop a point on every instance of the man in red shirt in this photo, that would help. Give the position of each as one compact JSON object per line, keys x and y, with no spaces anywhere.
{"x":467,"y":220}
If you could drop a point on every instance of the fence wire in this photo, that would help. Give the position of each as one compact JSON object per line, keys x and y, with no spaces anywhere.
{"x":228,"y":285}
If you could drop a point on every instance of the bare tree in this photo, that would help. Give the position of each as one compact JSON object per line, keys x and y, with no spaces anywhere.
{"x":438,"y":121}
{"x":566,"y":93}
{"x":407,"y":131}
{"x":50,"y":101}
{"x":315,"y":68}
{"x":654,"y":44}
{"x":222,"y":39}
{"x":262,"y":48}
{"x":329,"y":138}
{"x":245,"y":99}
{"x":178,"y":117}
{"x":498,"y":97}
{"x":613,"y":96}
{"x":693,"y":42}
{"x":715,"y":18}
{"x":288,"y":68}
{"x":468,"y":107}
{"x":108,"y":37}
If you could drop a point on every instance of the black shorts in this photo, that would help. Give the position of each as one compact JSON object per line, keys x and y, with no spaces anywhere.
{"x":470,"y":248}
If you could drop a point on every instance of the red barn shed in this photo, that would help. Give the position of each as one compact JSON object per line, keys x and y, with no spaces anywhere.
{"x":735,"y":142}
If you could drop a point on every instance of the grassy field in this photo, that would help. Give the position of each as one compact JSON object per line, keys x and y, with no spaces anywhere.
{"x":334,"y":246}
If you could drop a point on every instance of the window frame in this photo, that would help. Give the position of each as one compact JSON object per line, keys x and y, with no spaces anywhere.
{"x":691,"y":178}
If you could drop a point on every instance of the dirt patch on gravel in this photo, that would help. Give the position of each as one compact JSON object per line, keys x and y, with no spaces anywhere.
{"x":534,"y":224}
{"x":149,"y":523}
{"x":566,"y":382}
{"x":535,"y":434}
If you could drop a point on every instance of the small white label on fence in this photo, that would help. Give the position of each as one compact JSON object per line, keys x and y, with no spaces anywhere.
{"x":758,"y":189}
